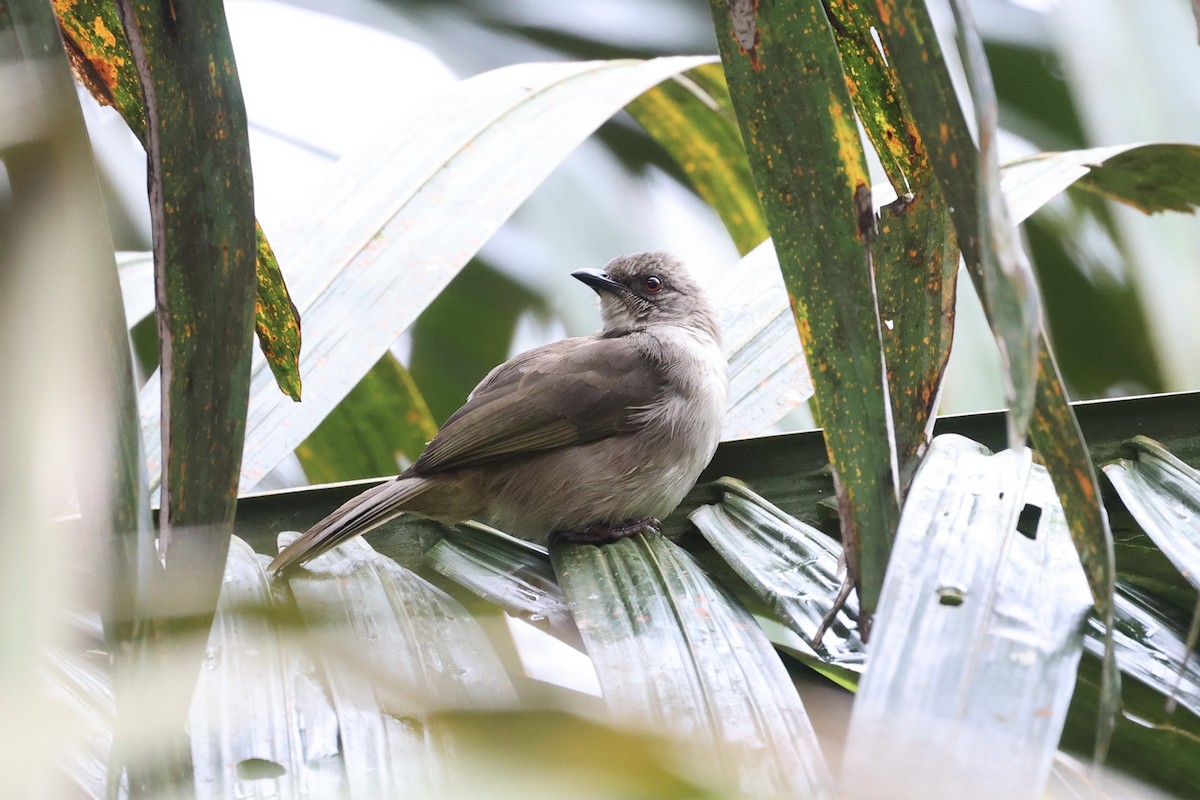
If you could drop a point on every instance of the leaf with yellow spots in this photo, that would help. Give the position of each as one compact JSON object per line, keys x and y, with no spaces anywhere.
{"x":102,"y":62}
{"x":798,"y":124}
{"x":692,"y":117}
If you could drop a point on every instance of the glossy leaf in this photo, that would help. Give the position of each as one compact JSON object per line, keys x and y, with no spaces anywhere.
{"x":396,"y":649}
{"x":792,"y":566}
{"x":1163,"y":494}
{"x":705,"y":673}
{"x":511,"y":574}
{"x":978,"y":633}
{"x":1155,"y":738}
{"x":260,"y":710}
{"x":785,"y":77}
{"x":768,"y":375}
{"x":692,"y":117}
{"x":103,"y":63}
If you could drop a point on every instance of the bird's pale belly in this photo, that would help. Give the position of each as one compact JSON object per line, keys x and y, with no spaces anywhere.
{"x":606,"y":482}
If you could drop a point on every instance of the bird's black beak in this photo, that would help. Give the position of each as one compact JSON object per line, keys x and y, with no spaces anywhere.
{"x":599,"y":280}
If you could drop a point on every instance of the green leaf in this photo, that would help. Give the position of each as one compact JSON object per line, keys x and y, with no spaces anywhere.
{"x":276,"y":320}
{"x":915,"y":256}
{"x":380,"y":428}
{"x":1149,"y":177}
{"x":785,"y":77}
{"x":205,"y":250}
{"x":401,"y":217}
{"x":978,"y":633}
{"x":676,"y":655}
{"x":970,"y":183}
{"x":692,"y":117}
{"x":103,"y":62}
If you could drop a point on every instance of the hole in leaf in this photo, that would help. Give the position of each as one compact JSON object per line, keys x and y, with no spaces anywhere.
{"x":256,"y":769}
{"x":950,"y":595}
{"x":1027,"y":521}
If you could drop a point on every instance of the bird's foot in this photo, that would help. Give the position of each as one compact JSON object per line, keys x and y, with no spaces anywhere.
{"x":599,"y":533}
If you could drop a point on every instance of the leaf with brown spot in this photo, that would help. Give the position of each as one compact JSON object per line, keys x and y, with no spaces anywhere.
{"x":103,"y":63}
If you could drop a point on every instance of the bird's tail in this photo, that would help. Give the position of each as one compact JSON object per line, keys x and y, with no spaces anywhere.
{"x":357,"y":515}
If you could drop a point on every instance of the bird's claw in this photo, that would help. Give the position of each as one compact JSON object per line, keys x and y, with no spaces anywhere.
{"x":600,"y":533}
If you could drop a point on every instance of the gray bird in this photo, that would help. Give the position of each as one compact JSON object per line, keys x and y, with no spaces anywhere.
{"x":590,"y":439}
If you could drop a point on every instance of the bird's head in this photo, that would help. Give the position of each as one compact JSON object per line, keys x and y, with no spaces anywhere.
{"x":644,"y":289}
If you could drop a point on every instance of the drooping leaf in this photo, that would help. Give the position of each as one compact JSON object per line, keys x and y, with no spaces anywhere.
{"x":970,"y":183}
{"x":706,"y":675}
{"x":692,"y":117}
{"x":103,"y":63}
{"x":796,"y":115}
{"x":978,"y":634}
{"x":276,"y":320}
{"x":1149,"y":177}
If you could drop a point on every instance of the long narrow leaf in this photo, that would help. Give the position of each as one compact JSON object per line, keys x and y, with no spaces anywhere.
{"x":103,"y":63}
{"x":797,"y":119}
{"x":915,"y":255}
{"x":204,"y":253}
{"x":971,"y":186}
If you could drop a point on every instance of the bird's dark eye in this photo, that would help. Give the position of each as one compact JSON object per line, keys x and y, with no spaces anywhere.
{"x":652,"y":284}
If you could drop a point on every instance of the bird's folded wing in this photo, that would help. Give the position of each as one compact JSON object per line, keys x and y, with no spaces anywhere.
{"x":569,"y":392}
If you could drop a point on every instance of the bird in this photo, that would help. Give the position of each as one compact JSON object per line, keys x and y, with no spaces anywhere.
{"x":587,"y":439}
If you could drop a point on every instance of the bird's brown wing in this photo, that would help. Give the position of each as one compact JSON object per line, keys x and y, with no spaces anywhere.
{"x":568,"y":392}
